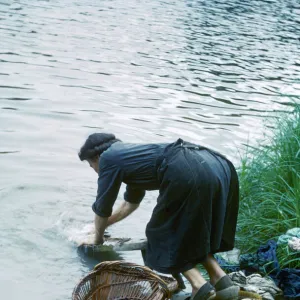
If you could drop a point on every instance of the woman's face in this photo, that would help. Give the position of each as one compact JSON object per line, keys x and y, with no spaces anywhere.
{"x":94,"y":163}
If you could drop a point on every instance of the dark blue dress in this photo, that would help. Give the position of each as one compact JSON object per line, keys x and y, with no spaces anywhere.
{"x":197,"y":206}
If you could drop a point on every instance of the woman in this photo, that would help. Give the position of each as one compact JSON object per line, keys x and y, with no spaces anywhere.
{"x":196,"y":211}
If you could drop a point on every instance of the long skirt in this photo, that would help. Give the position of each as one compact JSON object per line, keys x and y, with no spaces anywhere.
{"x":196,"y":211}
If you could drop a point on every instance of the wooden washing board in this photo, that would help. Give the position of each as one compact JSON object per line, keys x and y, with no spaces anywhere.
{"x":124,"y":244}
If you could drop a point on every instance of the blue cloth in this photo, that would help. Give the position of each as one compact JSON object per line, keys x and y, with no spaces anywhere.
{"x":226,"y":266}
{"x":263,"y":261}
{"x":289,"y":282}
{"x":267,"y":253}
{"x":132,"y":164}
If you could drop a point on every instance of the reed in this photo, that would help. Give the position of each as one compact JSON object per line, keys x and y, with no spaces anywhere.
{"x":270,"y":187}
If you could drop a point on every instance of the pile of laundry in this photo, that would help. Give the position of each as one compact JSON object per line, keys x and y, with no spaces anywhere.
{"x":261,"y":272}
{"x":288,"y":249}
{"x":255,"y":283}
{"x":291,"y":238}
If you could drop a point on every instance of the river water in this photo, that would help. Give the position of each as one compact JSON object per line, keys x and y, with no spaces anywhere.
{"x":207,"y":71}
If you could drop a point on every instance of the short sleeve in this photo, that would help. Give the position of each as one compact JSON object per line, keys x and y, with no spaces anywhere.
{"x":134,"y":195}
{"x":109,"y":183}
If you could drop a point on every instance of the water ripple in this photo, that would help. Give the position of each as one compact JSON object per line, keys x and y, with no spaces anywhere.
{"x":209,"y":71}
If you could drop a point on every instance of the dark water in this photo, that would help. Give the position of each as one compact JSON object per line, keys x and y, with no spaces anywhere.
{"x":207,"y":71}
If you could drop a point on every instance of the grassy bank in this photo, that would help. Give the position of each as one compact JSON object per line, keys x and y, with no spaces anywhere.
{"x":270,"y":186}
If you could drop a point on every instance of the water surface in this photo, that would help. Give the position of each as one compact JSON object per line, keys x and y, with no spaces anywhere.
{"x":207,"y":71}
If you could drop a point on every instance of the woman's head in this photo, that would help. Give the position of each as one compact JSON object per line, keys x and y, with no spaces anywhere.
{"x":94,"y":146}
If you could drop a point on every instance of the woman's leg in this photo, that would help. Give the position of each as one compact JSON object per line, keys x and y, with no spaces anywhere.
{"x":225,"y":289}
{"x":213,"y":269}
{"x":195,"y":279}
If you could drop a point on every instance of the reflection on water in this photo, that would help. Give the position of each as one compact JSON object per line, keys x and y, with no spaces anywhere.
{"x":91,"y":259}
{"x":207,"y":71}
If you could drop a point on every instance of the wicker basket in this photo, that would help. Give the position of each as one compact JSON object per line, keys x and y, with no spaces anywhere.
{"x":121,"y":280}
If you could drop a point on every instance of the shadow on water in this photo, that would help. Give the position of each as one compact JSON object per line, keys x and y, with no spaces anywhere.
{"x":90,"y":258}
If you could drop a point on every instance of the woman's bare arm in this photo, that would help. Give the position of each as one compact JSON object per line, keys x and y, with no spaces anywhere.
{"x":124,"y":210}
{"x":100,"y":225}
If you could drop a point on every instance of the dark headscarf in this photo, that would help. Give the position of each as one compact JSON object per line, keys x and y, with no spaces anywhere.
{"x":96,"y":144}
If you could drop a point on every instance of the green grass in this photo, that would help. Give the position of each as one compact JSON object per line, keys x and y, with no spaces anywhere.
{"x":270,"y":187}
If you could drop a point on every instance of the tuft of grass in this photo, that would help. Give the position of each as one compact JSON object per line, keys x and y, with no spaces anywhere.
{"x":270,"y":187}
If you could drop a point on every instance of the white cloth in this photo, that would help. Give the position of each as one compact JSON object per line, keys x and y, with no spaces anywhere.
{"x":294,"y":243}
{"x":255,"y":283}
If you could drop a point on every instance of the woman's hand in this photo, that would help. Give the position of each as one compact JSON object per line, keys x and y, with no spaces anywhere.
{"x":98,"y":237}
{"x":92,"y":242}
{"x":99,"y":241}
